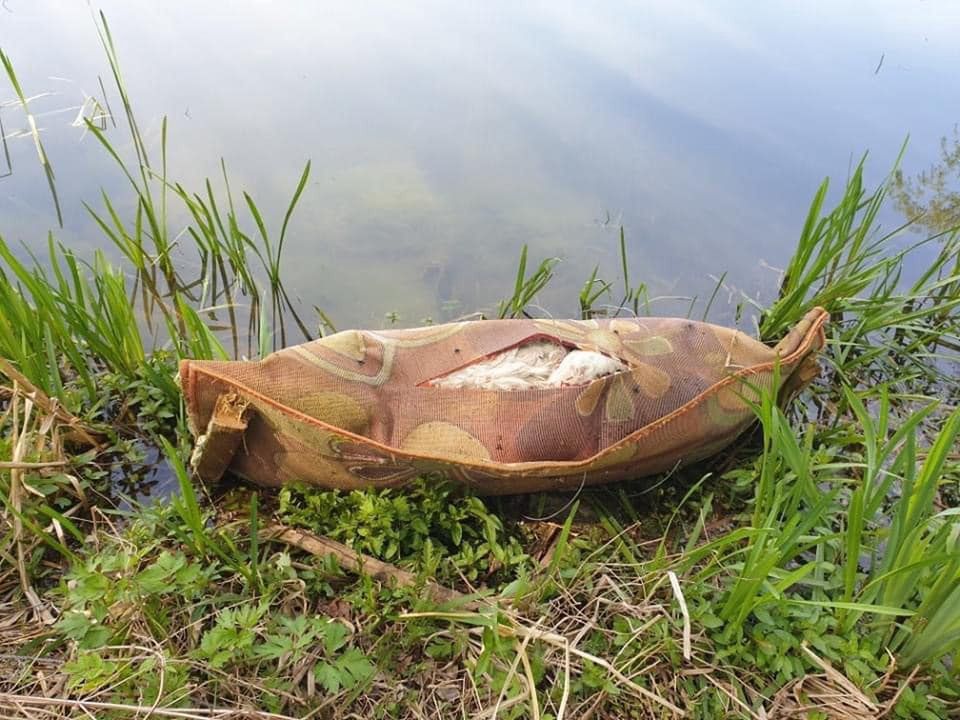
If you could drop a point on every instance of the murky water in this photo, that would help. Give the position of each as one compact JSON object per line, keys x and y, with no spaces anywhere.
{"x":444,"y":136}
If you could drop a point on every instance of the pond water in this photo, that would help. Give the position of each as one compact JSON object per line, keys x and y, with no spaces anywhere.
{"x":444,"y":136}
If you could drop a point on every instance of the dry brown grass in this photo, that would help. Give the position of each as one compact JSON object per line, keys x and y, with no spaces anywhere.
{"x":648,"y":670}
{"x":571,"y":629}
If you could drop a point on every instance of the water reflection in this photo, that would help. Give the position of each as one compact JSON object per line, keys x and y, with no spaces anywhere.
{"x":444,"y":136}
{"x":932,"y":198}
{"x":135,"y":484}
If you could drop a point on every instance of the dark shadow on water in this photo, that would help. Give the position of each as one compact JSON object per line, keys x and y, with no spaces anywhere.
{"x":146,"y":481}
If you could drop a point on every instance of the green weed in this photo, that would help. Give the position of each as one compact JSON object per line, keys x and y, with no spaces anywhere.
{"x":34,"y":134}
{"x":427,"y":525}
{"x":526,"y":288}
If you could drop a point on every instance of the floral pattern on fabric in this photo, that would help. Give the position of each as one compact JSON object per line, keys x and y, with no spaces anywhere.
{"x":350,"y":411}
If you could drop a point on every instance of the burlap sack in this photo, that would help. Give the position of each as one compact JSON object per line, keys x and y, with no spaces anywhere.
{"x":353,"y":409}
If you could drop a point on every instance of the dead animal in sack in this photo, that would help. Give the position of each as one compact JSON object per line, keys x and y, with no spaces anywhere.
{"x":502,"y":406}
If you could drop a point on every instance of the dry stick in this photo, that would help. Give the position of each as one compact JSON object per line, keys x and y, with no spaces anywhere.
{"x":566,"y":683}
{"x":506,"y":705}
{"x":746,"y":708}
{"x":839,"y":678}
{"x":184,"y":713}
{"x":509,"y":678}
{"x":528,"y":672}
{"x":16,"y":466}
{"x":892,"y":703}
{"x":675,"y":584}
{"x":47,"y":405}
{"x":359,"y":563}
{"x":154,"y":652}
{"x":18,"y":441}
{"x":4,"y":465}
{"x":558,"y":641}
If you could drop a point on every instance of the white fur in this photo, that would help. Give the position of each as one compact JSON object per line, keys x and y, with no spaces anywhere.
{"x":533,"y":365}
{"x":582,"y":366}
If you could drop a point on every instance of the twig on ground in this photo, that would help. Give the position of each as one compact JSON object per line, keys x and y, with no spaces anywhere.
{"x":33,"y":701}
{"x":80,"y":434}
{"x":356,"y":562}
{"x":4,"y":465}
{"x":839,"y":678}
{"x":561,"y":642}
{"x":681,"y":601}
{"x":892,"y":702}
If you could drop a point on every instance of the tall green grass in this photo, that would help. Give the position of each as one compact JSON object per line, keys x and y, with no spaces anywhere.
{"x":64,"y":319}
{"x":34,"y":134}
{"x":859,"y":535}
{"x":225,"y":250}
{"x":526,"y":288}
{"x":888,"y":317}
{"x":846,"y":516}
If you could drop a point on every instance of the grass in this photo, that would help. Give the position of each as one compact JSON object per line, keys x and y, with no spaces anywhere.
{"x":811,"y":571}
{"x":526,"y":288}
{"x":34,"y":134}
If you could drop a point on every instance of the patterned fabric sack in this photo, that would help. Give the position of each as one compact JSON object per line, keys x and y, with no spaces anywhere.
{"x":362,"y":408}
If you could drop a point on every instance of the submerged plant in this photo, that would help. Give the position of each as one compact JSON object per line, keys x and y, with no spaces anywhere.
{"x":931,"y":199}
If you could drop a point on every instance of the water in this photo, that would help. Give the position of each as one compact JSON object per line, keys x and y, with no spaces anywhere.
{"x":444,"y":136}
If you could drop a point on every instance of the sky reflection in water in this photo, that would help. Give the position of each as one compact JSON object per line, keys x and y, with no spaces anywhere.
{"x":445,"y":136}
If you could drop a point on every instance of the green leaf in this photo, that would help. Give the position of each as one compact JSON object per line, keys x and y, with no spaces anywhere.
{"x":328,"y":676}
{"x":334,"y":637}
{"x":859,"y":607}
{"x":156,"y":578}
{"x":354,"y":667}
{"x":74,"y":624}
